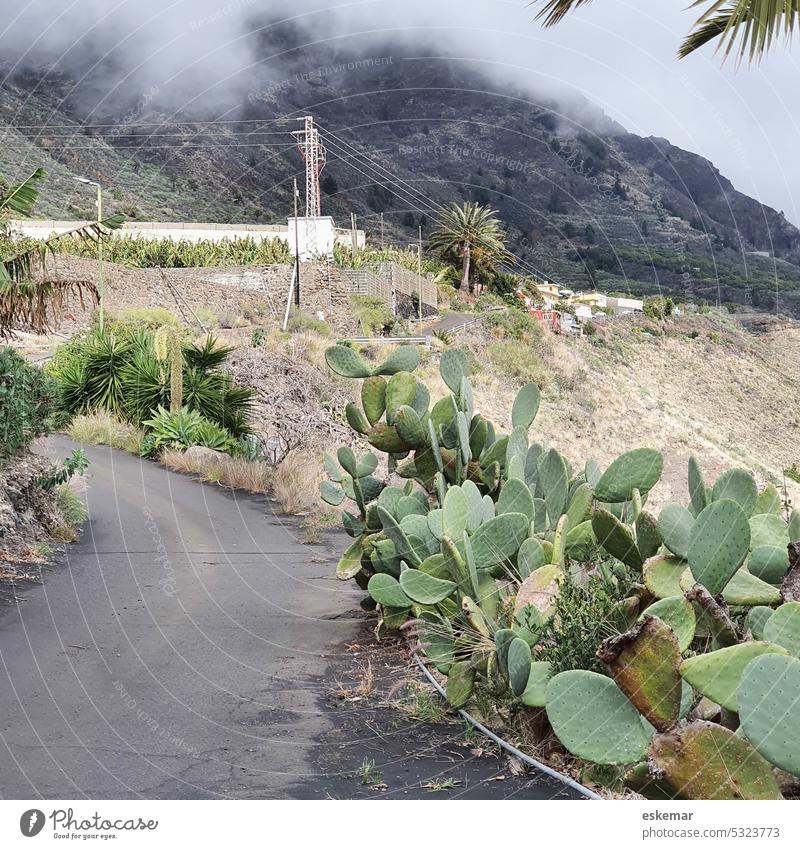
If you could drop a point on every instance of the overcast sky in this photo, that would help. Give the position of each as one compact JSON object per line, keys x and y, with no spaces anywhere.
{"x":618,"y":53}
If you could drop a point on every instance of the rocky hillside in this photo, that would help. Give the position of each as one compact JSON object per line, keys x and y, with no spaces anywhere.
{"x":586,"y":202}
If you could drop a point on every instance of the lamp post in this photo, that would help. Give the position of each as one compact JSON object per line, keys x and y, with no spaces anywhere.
{"x":99,"y":204}
{"x":418,"y":247}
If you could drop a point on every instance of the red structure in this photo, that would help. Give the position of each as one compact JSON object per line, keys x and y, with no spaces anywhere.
{"x":551,"y":319}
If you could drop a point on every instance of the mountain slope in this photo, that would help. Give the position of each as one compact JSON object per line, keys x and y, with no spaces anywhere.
{"x":586,"y":202}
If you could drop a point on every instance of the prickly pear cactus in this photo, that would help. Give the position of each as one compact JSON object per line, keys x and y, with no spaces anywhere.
{"x":639,"y":469}
{"x":718,"y":544}
{"x":706,"y":761}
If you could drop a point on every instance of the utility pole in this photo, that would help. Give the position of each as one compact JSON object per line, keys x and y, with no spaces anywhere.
{"x":99,"y":203}
{"x":382,"y":245}
{"x":419,"y":272}
{"x":353,"y":234}
{"x":296,"y":249}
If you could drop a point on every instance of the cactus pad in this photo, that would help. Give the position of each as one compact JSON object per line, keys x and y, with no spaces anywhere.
{"x":404,"y":358}
{"x":593,"y":718}
{"x":474,"y":505}
{"x":783,"y":627}
{"x":387,"y":591}
{"x":385,"y":438}
{"x":679,"y":615}
{"x":530,"y":557}
{"x":768,"y":529}
{"x":498,"y":539}
{"x":616,"y":538}
{"x":644,"y":663}
{"x":747,"y":590}
{"x":553,"y":480}
{"x":638,"y":469}
{"x":768,"y":562}
{"x":718,"y":544}
{"x":453,"y":366}
{"x":460,"y":682}
{"x":769,"y":500}
{"x":423,"y":588}
{"x":410,"y":428}
{"x":539,"y":590}
{"x":739,"y":486}
{"x":580,"y":541}
{"x":454,"y":513}
{"x":518,"y":662}
{"x":535,"y":694}
{"x":400,"y":391}
{"x":373,"y":398}
{"x":525,"y":406}
{"x":706,"y":761}
{"x":648,"y":539}
{"x":675,"y":525}
{"x":756,"y":620}
{"x":716,"y":674}
{"x":515,"y":497}
{"x":697,"y":487}
{"x":769,"y":709}
{"x":346,"y":362}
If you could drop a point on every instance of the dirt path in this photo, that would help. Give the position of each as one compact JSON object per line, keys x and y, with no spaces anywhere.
{"x":187,"y":647}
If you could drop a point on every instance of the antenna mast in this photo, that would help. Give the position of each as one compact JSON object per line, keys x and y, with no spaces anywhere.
{"x":314,"y":155}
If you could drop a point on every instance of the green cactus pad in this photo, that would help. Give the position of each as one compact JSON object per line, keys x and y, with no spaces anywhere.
{"x":515,"y":497}
{"x":648,"y":539}
{"x":409,"y":505}
{"x":456,"y":567}
{"x":462,"y":430}
{"x":580,"y":542}
{"x":518,"y":662}
{"x":373,"y":398}
{"x":616,"y":538}
{"x":532,"y":465}
{"x":757,"y":618}
{"x":716,"y":674}
{"x":404,"y":358}
{"x":421,"y":399}
{"x":517,"y":446}
{"x":355,"y":418}
{"x":478,"y":431}
{"x":499,"y":539}
{"x":769,"y":709}
{"x":553,"y":479}
{"x":679,"y":615}
{"x":530,"y":557}
{"x":403,"y":546}
{"x":525,"y":406}
{"x":747,"y":590}
{"x":410,"y":428}
{"x":535,"y":693}
{"x":400,"y":392}
{"x":539,"y":590}
{"x":768,"y":501}
{"x":474,"y":505}
{"x":706,"y":761}
{"x":454,"y":513}
{"x":697,"y":487}
{"x":638,"y":469}
{"x":435,"y":565}
{"x":644,"y":662}
{"x":460,"y":683}
{"x":350,"y":562}
{"x":768,"y":562}
{"x":347,"y":460}
{"x":436,"y":638}
{"x":387,"y":591}
{"x":718,"y":544}
{"x":593,"y":719}
{"x":423,"y":588}
{"x":331,"y":494}
{"x":783,"y":627}
{"x":385,"y":438}
{"x":793,"y":529}
{"x":495,"y":453}
{"x":346,"y":362}
{"x":739,"y":486}
{"x":675,"y":525}
{"x":453,"y":366}
{"x":502,"y":640}
{"x":579,"y":507}
{"x":768,"y":529}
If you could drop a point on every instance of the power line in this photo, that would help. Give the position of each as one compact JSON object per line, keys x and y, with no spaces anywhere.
{"x":155,"y":124}
{"x":145,"y":148}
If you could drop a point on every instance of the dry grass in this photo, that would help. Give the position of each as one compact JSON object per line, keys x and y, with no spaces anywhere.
{"x":295,"y":482}
{"x":362,"y":688}
{"x":101,"y":428}
{"x":251,"y":476}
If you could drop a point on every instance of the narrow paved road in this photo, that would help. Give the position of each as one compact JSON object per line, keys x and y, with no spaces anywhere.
{"x":150,"y":658}
{"x":186,"y":647}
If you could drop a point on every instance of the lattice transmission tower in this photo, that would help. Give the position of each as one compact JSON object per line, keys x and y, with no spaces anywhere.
{"x":314,"y":155}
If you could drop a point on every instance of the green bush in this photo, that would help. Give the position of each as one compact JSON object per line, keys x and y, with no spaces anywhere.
{"x":658,"y":307}
{"x":300,"y":321}
{"x":518,"y":362}
{"x":181,"y":429}
{"x":375,"y":317}
{"x":28,"y":403}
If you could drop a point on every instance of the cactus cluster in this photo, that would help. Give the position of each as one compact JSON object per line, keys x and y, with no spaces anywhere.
{"x":471,"y":533}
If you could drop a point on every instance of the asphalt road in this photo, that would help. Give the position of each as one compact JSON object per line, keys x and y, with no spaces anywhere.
{"x":186,"y":647}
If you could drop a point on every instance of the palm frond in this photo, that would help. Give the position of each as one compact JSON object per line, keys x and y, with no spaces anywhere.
{"x":748,"y":28}
{"x":554,"y":10}
{"x":21,"y":198}
{"x":37,"y":304}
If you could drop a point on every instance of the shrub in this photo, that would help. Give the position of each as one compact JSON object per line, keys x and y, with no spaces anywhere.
{"x":658,"y":307}
{"x":71,"y":506}
{"x":101,"y":428}
{"x":127,"y":320}
{"x":75,"y":464}
{"x":27,"y":403}
{"x":182,"y":429}
{"x":258,"y":337}
{"x":300,"y":322}
{"x":518,"y":363}
{"x":375,"y":317}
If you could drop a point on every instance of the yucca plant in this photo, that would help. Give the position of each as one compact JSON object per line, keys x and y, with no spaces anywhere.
{"x":216,"y":395}
{"x":210,"y":355}
{"x":104,"y":361}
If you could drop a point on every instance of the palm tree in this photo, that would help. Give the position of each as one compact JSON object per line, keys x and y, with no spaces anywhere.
{"x":754,"y":24}
{"x":26,"y":301}
{"x":472,"y":233}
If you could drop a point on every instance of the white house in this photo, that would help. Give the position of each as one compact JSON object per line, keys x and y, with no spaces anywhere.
{"x":625,"y":306}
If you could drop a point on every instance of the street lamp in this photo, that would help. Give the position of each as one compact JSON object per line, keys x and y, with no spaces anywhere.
{"x":99,"y":202}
